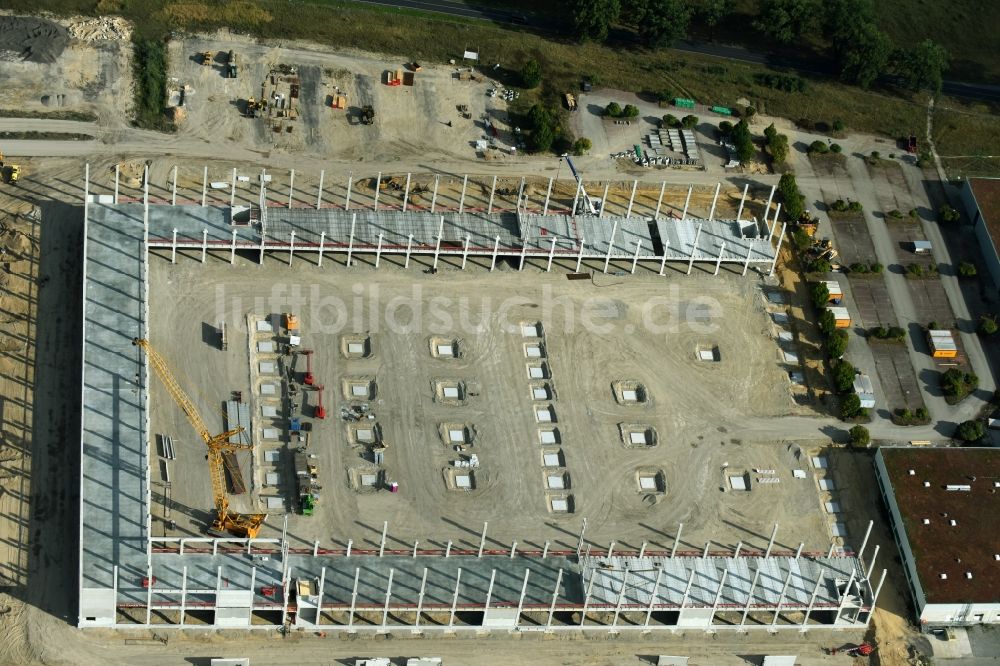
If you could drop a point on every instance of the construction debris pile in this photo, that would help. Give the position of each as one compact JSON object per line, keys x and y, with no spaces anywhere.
{"x":31,"y":39}
{"x":104,"y":28}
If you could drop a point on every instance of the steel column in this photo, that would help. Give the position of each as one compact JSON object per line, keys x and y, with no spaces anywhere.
{"x":184,"y":580}
{"x":117,"y":173}
{"x":781,"y":597}
{"x":434,"y":196}
{"x":378,"y":188}
{"x":493,"y":189}
{"x":354,"y":597}
{"x":753,"y":585}
{"x":388,"y":595}
{"x":743,"y":199}
{"x":548,"y":194}
{"x":291,"y":187}
{"x":777,"y":250}
{"x":576,"y":196}
{"x":406,"y":193}
{"x":420,"y":599}
{"x":291,"y":246}
{"x":694,"y":246}
{"x":322,"y":242}
{"x":520,"y":603}
{"x":409,"y":248}
{"x":232,"y":191}
{"x":465,"y":251}
{"x":482,"y":541}
{"x":652,"y":597}
{"x":770,"y":542}
{"x":621,"y":597}
{"x":260,"y":259}
{"x":204,"y":244}
{"x":579,"y":256}
{"x":604,"y":199}
{"x":496,"y":248}
{"x":631,"y":199}
{"x":718,"y":596}
{"x":350,"y":240}
{"x":461,"y":201}
{"x":319,"y":192}
{"x":555,"y":597}
{"x":715,"y":199}
{"x":437,"y":247}
{"x":489,"y":595}
{"x":812,"y":598}
{"x":611,"y":245}
{"x":454,"y":599}
{"x":232,"y":250}
{"x":635,"y":259}
{"x":718,"y":263}
{"x":173,"y":196}
{"x":347,"y":199}
{"x":378,"y":251}
{"x":552,"y":252}
{"x":746,"y":264}
{"x":677,"y":540}
{"x":204,"y":187}
{"x":659,"y":201}
{"x":319,"y":604}
{"x":381,"y":543}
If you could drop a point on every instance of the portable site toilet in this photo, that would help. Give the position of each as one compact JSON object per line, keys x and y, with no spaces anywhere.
{"x":841,"y":317}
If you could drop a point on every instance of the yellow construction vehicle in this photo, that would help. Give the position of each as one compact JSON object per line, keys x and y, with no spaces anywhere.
{"x":9,"y":173}
{"x":240,"y":525}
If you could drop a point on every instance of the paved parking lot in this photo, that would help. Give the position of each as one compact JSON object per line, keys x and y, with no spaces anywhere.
{"x":899,"y":381}
{"x":853,"y":240}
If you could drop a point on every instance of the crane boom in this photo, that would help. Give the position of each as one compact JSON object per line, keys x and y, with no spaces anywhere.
{"x":588,"y":202}
{"x":217,"y":444}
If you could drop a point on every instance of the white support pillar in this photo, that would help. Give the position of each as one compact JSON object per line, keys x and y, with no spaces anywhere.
{"x":513,"y":548}
{"x":781,"y":598}
{"x":871,"y":565}
{"x":482,"y":541}
{"x":545,"y":550}
{"x":378,"y":188}
{"x":798,"y":551}
{"x":583,"y":531}
{"x":149,"y":592}
{"x":552,"y":253}
{"x":770,"y":542}
{"x":520,"y":601}
{"x":454,"y":599}
{"x":604,"y":198}
{"x":753,"y":586}
{"x":642,"y":550}
{"x":347,"y":199}
{"x":715,"y":199}
{"x":291,"y":246}
{"x":350,"y":239}
{"x":864,"y":541}
{"x":548,"y":195}
{"x":145,"y":197}
{"x":524,"y":254}
{"x":875,"y":594}
{"x":621,"y":598}
{"x":493,"y":189}
{"x":461,"y":200}
{"x":718,"y":262}
{"x":322,"y":245}
{"x":496,"y":249}
{"x":291,"y":187}
{"x":117,"y":174}
{"x":718,"y":597}
{"x":586,"y":600}
{"x":687,"y":202}
{"x":378,"y":251}
{"x":777,"y":250}
{"x":184,"y":581}
{"x":204,"y":244}
{"x":319,"y":603}
{"x":687,"y":592}
{"x":420,"y":599}
{"x":434,"y":196}
{"x":579,"y":256}
{"x":388,"y":596}
{"x":611,"y":550}
{"x":611,"y":245}
{"x":746,"y":264}
{"x":847,"y":593}
{"x":829,"y":553}
{"x":319,"y":192}
{"x":631,"y":199}
{"x":409,"y":249}
{"x":437,"y":247}
{"x":694,"y":246}
{"x":447,"y":550}
{"x":743,"y":200}
{"x":812,"y":598}
{"x":350,"y":545}
{"x":465,"y":251}
{"x":635,"y":257}
{"x":381,"y":543}
{"x":576,"y":197}
{"x":767,"y":206}
{"x":704,"y":553}
{"x":489,"y":595}
{"x":677,"y":540}
{"x":774,"y":225}
{"x":173,"y":196}
{"x":232,"y":249}
{"x":354,"y":598}
{"x":652,"y":597}
{"x":739,"y":547}
{"x":659,"y":201}
{"x":663,"y":259}
{"x":520,"y":194}
{"x":204,"y":187}
{"x":555,"y":597}
{"x":406,"y":193}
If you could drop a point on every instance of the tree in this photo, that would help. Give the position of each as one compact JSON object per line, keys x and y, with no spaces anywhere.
{"x":865,"y":56}
{"x":743,"y":141}
{"x":613,"y":110}
{"x":970,"y":431}
{"x":581,"y":146}
{"x":836,"y":345}
{"x":827,"y":323}
{"x":630,"y":111}
{"x":843,"y":376}
{"x":786,"y":20}
{"x":922,"y":67}
{"x":591,"y":18}
{"x":792,"y":200}
{"x":689,"y":121}
{"x":531,"y":74}
{"x":987,"y":325}
{"x":850,"y":406}
{"x":860,"y":438}
{"x":818,"y":147}
{"x":770,"y":132}
{"x":671,"y":120}
{"x":710,"y":12}
{"x":660,"y":22}
{"x":777,"y":145}
{"x":544,"y":125}
{"x":957,"y":384}
{"x":820,"y":294}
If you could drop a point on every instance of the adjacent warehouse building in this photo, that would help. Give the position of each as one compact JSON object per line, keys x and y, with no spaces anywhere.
{"x":940,"y":502}
{"x":982,"y":204}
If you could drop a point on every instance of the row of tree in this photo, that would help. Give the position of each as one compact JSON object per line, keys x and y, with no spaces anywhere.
{"x":862,"y":50}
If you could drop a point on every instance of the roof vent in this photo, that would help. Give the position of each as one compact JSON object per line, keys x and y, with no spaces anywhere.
{"x":927,"y":484}
{"x":944,"y":576}
{"x":927,"y":521}
{"x":912,"y":472}
{"x":968,"y":574}
{"x":996,"y":484}
{"x":996,"y":556}
{"x":964,"y":487}
{"x":953,"y":522}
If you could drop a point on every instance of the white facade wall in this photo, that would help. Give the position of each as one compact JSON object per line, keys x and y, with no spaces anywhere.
{"x":951,"y":614}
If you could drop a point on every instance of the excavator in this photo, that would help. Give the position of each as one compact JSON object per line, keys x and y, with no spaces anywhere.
{"x":9,"y":173}
{"x":237,"y":524}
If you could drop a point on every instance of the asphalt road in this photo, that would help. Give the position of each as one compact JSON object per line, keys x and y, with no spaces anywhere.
{"x":977,"y":91}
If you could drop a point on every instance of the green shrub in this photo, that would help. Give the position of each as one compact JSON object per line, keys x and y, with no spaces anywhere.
{"x":860,"y":438}
{"x":531,"y":74}
{"x":827,"y":323}
{"x":966,"y":270}
{"x":838,"y":125}
{"x":895,"y":214}
{"x":876,"y":267}
{"x":630,"y":111}
{"x":913,"y":213}
{"x":850,"y":407}
{"x":613,"y":110}
{"x":149,"y":66}
{"x":818,"y":147}
{"x":987,"y":325}
{"x":855,"y":206}
{"x":836,"y":344}
{"x":922,"y":414}
{"x":835,"y":148}
{"x":689,"y":122}
{"x":842,"y":376}
{"x":671,"y":120}
{"x":820,"y":294}
{"x":581,"y":146}
{"x":956,"y":384}
{"x":839,"y":205}
{"x":914,"y":270}
{"x":801,"y":241}
{"x":876,"y":156}
{"x":725,"y":127}
{"x":948,"y":215}
{"x":858,"y":267}
{"x":970,"y":431}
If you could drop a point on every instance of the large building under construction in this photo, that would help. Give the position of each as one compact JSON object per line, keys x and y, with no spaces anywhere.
{"x":132,"y":576}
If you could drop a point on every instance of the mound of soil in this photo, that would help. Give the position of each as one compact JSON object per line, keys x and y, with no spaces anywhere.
{"x":31,"y":39}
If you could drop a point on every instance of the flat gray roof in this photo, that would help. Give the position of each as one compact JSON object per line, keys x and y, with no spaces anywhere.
{"x":113,"y":511}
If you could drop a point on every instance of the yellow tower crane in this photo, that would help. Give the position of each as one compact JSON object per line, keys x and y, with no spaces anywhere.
{"x":241,"y":525}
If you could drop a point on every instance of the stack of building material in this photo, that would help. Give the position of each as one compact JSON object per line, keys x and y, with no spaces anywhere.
{"x":864,"y":390}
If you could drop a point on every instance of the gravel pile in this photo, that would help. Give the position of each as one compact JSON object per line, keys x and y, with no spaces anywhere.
{"x":31,"y":39}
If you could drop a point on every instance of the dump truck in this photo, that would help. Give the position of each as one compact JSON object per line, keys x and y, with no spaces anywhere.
{"x":231,"y":65}
{"x":306,"y":475}
{"x":570,"y":102}
{"x":206,"y":58}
